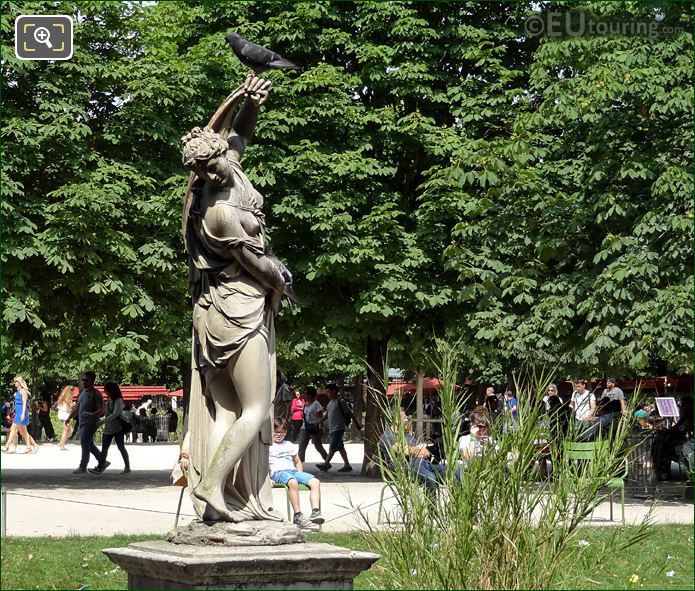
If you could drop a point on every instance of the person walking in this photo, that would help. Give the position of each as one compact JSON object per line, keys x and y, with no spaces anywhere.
{"x":312,"y":427}
{"x":113,"y":429}
{"x":89,"y":407}
{"x":297,"y":416}
{"x":21,"y":419}
{"x":45,"y":423}
{"x":64,"y":406}
{"x":339,"y":416}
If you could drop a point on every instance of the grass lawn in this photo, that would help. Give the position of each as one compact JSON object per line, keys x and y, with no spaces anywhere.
{"x":69,"y":563}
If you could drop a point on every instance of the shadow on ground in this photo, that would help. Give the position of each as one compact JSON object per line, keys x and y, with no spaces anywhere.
{"x":64,"y":478}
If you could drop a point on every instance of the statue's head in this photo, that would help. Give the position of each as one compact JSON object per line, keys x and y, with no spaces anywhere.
{"x":205,"y":153}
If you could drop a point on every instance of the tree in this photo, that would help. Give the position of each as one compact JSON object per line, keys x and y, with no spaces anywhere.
{"x":576,"y":229}
{"x":93,"y":266}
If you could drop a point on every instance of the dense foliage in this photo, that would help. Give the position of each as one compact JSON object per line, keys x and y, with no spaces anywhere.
{"x":431,"y":169}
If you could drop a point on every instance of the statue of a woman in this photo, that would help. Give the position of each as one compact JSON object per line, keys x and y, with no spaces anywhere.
{"x":237,"y":289}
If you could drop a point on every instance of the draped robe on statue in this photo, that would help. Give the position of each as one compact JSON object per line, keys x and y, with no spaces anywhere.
{"x":229,"y":307}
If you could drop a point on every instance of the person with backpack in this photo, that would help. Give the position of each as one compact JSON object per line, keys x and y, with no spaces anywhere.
{"x":340,"y":415}
{"x":89,"y":407}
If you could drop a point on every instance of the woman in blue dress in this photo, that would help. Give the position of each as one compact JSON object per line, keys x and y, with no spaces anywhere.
{"x":21,"y":419}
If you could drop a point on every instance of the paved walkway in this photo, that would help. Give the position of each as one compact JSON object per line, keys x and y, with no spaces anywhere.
{"x":45,"y":498}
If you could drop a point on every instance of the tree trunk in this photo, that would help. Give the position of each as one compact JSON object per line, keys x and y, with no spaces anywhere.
{"x":375,"y":399}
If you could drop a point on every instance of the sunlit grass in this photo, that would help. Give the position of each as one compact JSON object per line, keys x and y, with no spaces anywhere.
{"x":70,"y":562}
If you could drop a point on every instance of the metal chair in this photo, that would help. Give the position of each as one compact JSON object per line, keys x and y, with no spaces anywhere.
{"x":587,"y":451}
{"x":287,"y":495}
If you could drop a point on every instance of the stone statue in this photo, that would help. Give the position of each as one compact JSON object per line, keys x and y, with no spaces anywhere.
{"x":237,"y":288}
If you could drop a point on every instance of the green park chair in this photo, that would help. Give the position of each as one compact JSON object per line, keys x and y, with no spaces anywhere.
{"x":287,"y":496}
{"x":587,"y":451}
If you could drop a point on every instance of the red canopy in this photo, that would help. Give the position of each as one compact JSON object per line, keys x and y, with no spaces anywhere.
{"x":136,"y":392}
{"x":429,"y":385}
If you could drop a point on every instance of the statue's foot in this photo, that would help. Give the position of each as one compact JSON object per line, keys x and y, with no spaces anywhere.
{"x":210,"y":514}
{"x":215,"y":507}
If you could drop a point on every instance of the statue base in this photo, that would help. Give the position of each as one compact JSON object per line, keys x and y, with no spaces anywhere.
{"x":245,"y":533}
{"x":165,"y":565}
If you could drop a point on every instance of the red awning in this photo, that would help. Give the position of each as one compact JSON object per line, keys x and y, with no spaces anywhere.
{"x":136,"y":392}
{"x":429,"y":385}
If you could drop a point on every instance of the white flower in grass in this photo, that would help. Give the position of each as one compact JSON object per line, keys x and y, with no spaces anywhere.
{"x":584,"y":543}
{"x":413,"y":571}
{"x":669,"y":557}
{"x":671,"y":573}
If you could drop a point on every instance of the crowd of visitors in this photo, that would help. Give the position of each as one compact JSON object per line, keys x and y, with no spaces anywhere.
{"x":83,"y":418}
{"x":584,"y":415}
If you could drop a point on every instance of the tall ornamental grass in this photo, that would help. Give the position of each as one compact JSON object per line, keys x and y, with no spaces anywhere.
{"x":493,"y":524}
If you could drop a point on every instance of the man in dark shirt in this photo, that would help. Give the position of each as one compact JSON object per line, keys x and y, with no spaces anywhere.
{"x":89,"y":407}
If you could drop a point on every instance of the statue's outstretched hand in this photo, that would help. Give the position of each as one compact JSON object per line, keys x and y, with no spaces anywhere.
{"x":256,"y":89}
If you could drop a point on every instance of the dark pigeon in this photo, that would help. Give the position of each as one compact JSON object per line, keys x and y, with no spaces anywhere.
{"x":256,"y":57}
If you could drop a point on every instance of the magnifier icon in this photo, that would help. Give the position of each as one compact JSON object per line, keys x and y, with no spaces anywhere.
{"x":42,"y":35}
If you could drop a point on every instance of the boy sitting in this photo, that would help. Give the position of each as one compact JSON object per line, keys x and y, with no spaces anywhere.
{"x":286,"y":468}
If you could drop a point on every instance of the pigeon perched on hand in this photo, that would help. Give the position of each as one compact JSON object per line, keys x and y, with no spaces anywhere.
{"x":256,"y":57}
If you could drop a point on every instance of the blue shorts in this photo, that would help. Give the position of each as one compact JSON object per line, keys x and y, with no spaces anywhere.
{"x":336,"y":441}
{"x":284,"y":476}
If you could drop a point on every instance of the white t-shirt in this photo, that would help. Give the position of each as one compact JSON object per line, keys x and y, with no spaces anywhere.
{"x":582,"y":404}
{"x":311,"y":412}
{"x":465,"y":442}
{"x":281,"y":456}
{"x":64,"y":411}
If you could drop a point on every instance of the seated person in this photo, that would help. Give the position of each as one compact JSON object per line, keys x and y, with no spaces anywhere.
{"x":416,"y":455}
{"x":471,"y":445}
{"x":606,"y":411}
{"x":151,"y":425}
{"x":129,"y":415}
{"x":285,"y":467}
{"x":141,"y":425}
{"x":667,"y":440}
{"x":644,"y":413}
{"x":173,"y":419}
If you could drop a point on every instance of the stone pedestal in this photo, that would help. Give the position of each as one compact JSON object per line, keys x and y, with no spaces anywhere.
{"x":165,"y":565}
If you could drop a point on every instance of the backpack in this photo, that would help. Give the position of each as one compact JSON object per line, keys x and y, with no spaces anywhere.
{"x":346,"y":409}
